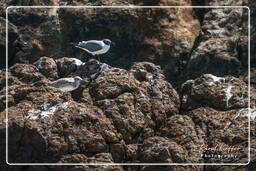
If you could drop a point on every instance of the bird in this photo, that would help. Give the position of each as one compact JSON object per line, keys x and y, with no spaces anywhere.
{"x":95,"y":47}
{"x":65,"y":84}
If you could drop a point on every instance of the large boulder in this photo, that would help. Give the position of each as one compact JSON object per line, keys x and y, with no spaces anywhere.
{"x":217,"y":47}
{"x":222,"y":93}
{"x":223,"y":130}
{"x":143,"y":103}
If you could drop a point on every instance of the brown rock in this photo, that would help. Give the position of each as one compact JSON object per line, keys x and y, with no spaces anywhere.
{"x":181,"y":129}
{"x":47,"y":67}
{"x":223,"y":129}
{"x":68,"y":65}
{"x":12,"y":36}
{"x":144,"y":104}
{"x":222,"y":44}
{"x":216,"y":92}
{"x":162,"y":150}
{"x":26,"y":73}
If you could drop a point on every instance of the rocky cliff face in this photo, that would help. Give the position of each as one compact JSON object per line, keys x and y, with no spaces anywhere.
{"x":174,"y":85}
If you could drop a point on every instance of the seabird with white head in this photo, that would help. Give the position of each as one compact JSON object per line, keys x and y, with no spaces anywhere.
{"x":95,"y":47}
{"x":66,"y":84}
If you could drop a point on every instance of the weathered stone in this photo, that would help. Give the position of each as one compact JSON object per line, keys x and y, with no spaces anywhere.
{"x":181,"y":129}
{"x":221,"y":93}
{"x":68,"y":65}
{"x":47,"y":67}
{"x":162,"y":150}
{"x":223,"y":129}
{"x":222,"y":43}
{"x":12,"y":36}
{"x":26,"y":73}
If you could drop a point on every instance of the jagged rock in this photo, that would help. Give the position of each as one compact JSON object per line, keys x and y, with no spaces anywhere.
{"x":229,"y":129}
{"x":47,"y":67}
{"x":181,"y":129}
{"x":220,"y":43}
{"x":59,"y":131}
{"x":12,"y":36}
{"x":103,"y":115}
{"x":165,"y":168}
{"x":252,"y":6}
{"x":68,"y":65}
{"x":88,"y":168}
{"x":132,"y":152}
{"x":39,"y":33}
{"x":74,"y":158}
{"x":26,"y":73}
{"x":221,"y":93}
{"x":130,"y":102}
{"x":162,"y":150}
{"x":146,"y":71}
{"x":12,"y":81}
{"x":118,"y":151}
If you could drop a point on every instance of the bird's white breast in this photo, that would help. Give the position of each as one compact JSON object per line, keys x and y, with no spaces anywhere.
{"x":104,"y":49}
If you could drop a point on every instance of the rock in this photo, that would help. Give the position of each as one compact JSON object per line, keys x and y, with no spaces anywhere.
{"x":132,"y":152}
{"x":74,"y":158}
{"x":12,"y":81}
{"x":181,"y":129}
{"x":222,"y":93}
{"x":104,"y":115}
{"x":47,"y":67}
{"x":224,"y":130}
{"x":162,"y":150}
{"x":114,"y":83}
{"x":12,"y":36}
{"x":34,"y":40}
{"x":59,"y":132}
{"x":146,"y":71}
{"x":68,"y":65}
{"x":167,"y":168}
{"x":217,"y":46}
{"x":27,"y":73}
{"x":118,"y":151}
{"x":128,"y":101}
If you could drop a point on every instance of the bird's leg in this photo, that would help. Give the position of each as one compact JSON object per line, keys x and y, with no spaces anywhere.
{"x":98,"y":56}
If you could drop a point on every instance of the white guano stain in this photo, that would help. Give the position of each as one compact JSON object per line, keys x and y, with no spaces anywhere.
{"x":217,"y":79}
{"x":245,"y":112}
{"x":34,"y":114}
{"x":228,"y":95}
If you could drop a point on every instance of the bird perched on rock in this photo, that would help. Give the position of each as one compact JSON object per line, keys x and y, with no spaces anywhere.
{"x":65,"y":84}
{"x":95,"y":47}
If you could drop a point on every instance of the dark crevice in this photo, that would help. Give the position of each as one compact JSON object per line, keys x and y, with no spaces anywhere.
{"x":199,"y":12}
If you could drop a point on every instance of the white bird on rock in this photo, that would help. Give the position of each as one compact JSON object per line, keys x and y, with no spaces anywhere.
{"x":95,"y":47}
{"x":65,"y":84}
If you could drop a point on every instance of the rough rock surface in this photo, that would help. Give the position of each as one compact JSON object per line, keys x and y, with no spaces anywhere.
{"x":222,"y":44}
{"x":126,"y":109}
{"x":133,"y":116}
{"x":223,"y":93}
{"x":61,"y":129}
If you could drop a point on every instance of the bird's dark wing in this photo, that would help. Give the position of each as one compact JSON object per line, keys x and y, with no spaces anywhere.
{"x":90,"y":46}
